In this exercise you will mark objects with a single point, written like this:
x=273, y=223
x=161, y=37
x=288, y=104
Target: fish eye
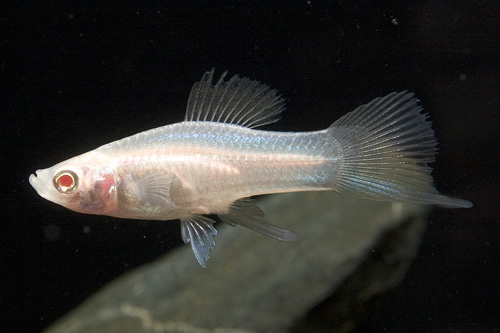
x=65, y=181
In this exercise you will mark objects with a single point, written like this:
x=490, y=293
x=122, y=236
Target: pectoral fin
x=145, y=194
x=245, y=213
x=200, y=232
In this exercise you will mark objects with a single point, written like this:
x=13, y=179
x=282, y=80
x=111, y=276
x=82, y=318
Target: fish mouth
x=35, y=181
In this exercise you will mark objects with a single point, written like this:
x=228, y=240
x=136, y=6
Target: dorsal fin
x=239, y=101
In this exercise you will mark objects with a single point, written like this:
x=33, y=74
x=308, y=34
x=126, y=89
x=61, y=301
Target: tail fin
x=384, y=150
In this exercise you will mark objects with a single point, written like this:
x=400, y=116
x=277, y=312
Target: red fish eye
x=65, y=181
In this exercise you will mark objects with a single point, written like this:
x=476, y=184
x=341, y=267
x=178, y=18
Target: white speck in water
x=394, y=20
x=86, y=229
x=463, y=77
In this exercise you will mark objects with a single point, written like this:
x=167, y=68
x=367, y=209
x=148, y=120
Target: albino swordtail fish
x=214, y=161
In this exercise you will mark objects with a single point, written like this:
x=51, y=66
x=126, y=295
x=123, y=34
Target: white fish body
x=213, y=161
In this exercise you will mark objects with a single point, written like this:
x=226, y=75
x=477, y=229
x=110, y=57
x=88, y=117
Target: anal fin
x=246, y=214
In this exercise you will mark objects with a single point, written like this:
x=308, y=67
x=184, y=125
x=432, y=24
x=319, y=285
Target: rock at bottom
x=350, y=252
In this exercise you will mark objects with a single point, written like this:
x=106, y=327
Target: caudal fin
x=384, y=149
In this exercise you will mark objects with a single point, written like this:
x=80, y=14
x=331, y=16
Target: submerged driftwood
x=349, y=251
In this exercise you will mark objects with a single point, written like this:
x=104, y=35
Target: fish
x=215, y=161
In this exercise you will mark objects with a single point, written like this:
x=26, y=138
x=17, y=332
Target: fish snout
x=33, y=180
x=36, y=180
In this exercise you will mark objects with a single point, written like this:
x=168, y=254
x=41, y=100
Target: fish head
x=79, y=187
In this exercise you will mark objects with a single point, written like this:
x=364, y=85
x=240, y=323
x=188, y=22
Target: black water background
x=77, y=77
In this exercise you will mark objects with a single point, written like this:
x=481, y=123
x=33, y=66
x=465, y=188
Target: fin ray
x=199, y=231
x=245, y=213
x=385, y=147
x=238, y=101
x=151, y=190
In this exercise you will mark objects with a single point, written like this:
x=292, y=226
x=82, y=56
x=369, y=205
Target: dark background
x=75, y=78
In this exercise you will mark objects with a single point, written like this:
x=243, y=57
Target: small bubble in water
x=86, y=229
